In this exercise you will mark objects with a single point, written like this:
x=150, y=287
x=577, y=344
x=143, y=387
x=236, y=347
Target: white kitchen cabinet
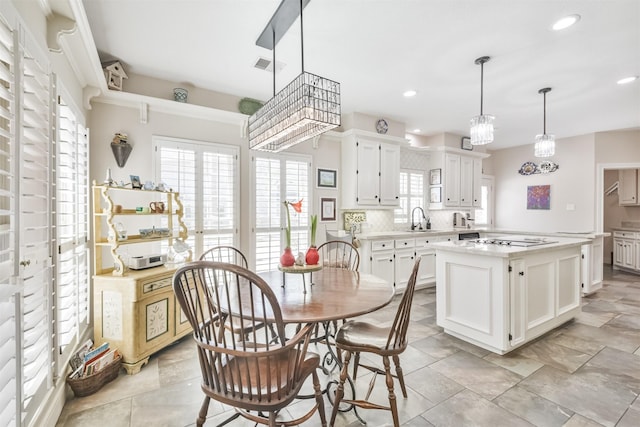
x=628, y=187
x=628, y=254
x=381, y=257
x=452, y=180
x=370, y=170
x=592, y=257
x=477, y=183
x=624, y=250
x=427, y=269
x=389, y=179
x=461, y=178
x=466, y=181
x=404, y=259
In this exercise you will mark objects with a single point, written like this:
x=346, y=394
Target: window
x=484, y=215
x=72, y=233
x=278, y=178
x=206, y=176
x=411, y=195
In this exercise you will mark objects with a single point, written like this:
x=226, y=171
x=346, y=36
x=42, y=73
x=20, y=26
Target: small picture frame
x=135, y=181
x=466, y=143
x=435, y=195
x=327, y=209
x=327, y=178
x=435, y=177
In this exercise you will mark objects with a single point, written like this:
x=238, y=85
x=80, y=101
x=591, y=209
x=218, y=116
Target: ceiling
x=378, y=49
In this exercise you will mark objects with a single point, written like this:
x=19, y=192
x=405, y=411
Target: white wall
x=572, y=184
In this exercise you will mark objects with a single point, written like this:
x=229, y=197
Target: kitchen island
x=500, y=293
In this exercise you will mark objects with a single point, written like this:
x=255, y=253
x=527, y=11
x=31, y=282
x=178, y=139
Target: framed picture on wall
x=328, y=209
x=435, y=177
x=327, y=178
x=435, y=195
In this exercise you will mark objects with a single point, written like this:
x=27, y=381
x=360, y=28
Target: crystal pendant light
x=305, y=108
x=482, y=125
x=545, y=144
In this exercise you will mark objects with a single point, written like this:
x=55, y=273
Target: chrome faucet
x=419, y=224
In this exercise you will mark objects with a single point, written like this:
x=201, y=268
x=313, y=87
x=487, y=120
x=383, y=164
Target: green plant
x=314, y=226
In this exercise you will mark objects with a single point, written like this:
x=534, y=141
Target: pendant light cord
x=481, y=85
x=274, y=60
x=544, y=114
x=301, y=37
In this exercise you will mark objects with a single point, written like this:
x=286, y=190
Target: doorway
x=609, y=213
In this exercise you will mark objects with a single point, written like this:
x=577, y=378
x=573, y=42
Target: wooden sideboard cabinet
x=137, y=313
x=135, y=310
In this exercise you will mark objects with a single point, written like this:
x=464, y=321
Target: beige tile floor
x=585, y=373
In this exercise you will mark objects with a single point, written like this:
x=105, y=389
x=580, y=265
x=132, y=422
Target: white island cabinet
x=499, y=297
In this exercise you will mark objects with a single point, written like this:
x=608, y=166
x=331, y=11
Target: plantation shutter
x=207, y=177
x=72, y=278
x=9, y=298
x=35, y=231
x=278, y=178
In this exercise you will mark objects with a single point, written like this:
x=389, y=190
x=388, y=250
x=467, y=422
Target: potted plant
x=287, y=259
x=312, y=257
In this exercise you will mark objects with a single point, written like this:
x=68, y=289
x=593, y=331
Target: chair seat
x=278, y=366
x=359, y=336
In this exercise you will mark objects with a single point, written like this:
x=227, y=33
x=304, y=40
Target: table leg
x=331, y=358
x=283, y=279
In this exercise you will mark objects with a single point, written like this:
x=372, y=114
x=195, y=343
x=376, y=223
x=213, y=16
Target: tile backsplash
x=382, y=220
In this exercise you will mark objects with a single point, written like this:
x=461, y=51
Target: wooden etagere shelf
x=106, y=218
x=134, y=310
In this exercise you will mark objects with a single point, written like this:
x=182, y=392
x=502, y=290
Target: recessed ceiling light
x=410, y=93
x=565, y=22
x=416, y=131
x=627, y=80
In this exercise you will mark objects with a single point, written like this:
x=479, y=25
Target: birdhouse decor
x=114, y=73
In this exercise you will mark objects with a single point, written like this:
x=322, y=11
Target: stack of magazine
x=89, y=360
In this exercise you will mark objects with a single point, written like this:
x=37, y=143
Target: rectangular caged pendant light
x=306, y=107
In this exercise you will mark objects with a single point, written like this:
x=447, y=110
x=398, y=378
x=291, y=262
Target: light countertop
x=404, y=234
x=501, y=251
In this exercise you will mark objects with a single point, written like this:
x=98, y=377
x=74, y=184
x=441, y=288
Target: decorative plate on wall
x=547, y=166
x=527, y=168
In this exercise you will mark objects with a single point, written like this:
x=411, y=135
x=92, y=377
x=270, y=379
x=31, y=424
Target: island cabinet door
x=518, y=302
x=544, y=292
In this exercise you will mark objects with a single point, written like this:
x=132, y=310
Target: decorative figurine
x=300, y=259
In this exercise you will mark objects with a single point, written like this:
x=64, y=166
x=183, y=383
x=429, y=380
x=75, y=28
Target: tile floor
x=585, y=373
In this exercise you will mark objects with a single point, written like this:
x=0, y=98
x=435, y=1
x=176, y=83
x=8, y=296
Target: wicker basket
x=90, y=384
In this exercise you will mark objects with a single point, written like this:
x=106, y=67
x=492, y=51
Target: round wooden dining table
x=334, y=294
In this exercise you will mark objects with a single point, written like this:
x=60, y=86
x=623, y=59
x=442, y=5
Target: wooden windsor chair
x=256, y=376
x=355, y=337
